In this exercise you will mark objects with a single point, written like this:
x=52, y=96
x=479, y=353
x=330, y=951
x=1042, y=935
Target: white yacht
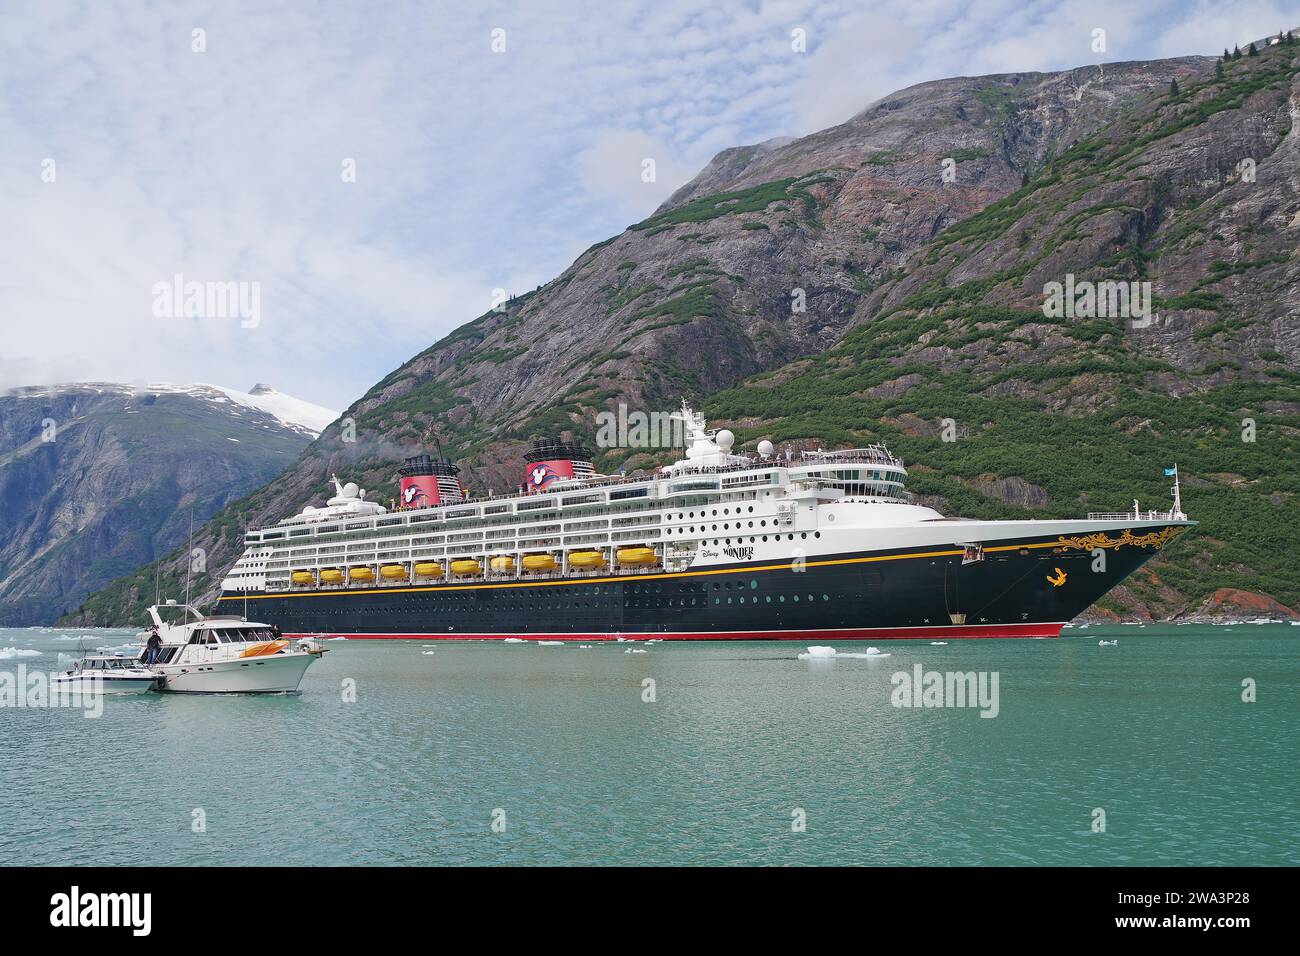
x=107, y=674
x=223, y=655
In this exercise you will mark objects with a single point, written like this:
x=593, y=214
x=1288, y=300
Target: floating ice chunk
x=427, y=653
x=635, y=650
x=1108, y=643
x=514, y=640
x=939, y=643
x=550, y=643
x=13, y=653
x=821, y=652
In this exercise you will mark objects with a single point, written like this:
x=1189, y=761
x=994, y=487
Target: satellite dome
x=765, y=448
x=351, y=490
x=725, y=439
x=309, y=510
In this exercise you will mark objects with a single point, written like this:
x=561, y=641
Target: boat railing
x=875, y=454
x=1129, y=516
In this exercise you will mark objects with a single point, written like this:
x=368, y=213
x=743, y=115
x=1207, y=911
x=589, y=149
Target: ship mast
x=189, y=565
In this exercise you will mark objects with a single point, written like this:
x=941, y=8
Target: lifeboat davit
x=539, y=562
x=304, y=577
x=502, y=562
x=586, y=559
x=637, y=557
x=428, y=570
x=466, y=567
x=393, y=572
x=331, y=576
x=361, y=574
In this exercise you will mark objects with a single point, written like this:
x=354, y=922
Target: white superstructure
x=709, y=501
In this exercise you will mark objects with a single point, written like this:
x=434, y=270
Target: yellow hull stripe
x=635, y=577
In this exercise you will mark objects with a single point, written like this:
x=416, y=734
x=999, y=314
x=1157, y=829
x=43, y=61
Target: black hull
x=1026, y=588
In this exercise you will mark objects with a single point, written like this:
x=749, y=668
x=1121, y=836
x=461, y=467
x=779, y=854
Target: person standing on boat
x=153, y=646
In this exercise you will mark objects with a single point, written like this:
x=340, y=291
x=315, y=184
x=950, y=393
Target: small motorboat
x=107, y=674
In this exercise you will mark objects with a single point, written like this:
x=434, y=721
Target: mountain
x=924, y=318
x=99, y=479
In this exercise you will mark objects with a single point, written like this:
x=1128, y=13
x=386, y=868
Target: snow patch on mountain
x=293, y=412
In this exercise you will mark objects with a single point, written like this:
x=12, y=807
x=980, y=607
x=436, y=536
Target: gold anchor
x=1056, y=580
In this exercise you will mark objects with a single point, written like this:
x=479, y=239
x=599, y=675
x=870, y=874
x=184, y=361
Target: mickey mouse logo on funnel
x=542, y=474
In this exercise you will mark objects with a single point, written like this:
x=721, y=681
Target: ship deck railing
x=1129, y=516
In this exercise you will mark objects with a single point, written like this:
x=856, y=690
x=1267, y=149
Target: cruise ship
x=817, y=545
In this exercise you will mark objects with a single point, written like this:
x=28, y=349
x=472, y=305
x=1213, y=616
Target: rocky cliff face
x=98, y=480
x=882, y=277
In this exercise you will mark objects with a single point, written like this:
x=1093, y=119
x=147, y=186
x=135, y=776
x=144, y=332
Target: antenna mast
x=189, y=565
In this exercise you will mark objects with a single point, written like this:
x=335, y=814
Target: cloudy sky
x=379, y=169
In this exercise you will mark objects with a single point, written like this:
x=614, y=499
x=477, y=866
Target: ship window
x=753, y=584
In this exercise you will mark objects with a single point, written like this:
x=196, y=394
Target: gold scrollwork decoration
x=1100, y=539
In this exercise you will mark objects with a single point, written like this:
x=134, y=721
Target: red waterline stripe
x=838, y=633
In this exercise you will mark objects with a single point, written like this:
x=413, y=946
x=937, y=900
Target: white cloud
x=475, y=170
x=633, y=169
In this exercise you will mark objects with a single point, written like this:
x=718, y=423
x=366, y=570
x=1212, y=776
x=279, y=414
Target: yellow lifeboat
x=428, y=570
x=637, y=556
x=331, y=576
x=539, y=562
x=586, y=559
x=304, y=577
x=393, y=572
x=466, y=567
x=503, y=562
x=361, y=574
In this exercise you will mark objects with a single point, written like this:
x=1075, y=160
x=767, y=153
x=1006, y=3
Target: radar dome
x=765, y=448
x=351, y=490
x=725, y=439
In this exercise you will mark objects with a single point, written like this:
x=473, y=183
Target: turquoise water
x=1152, y=731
